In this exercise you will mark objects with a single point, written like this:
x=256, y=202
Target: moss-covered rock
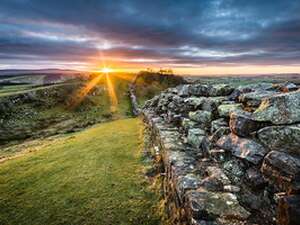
x=281, y=138
x=280, y=109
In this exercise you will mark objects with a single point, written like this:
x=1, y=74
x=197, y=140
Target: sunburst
x=104, y=73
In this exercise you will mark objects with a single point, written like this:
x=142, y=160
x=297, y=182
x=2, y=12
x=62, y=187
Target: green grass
x=21, y=89
x=91, y=177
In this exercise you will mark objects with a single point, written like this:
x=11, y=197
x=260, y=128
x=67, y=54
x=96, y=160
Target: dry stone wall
x=229, y=155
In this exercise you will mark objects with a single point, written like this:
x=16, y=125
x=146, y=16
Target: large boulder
x=253, y=99
x=281, y=138
x=202, y=204
x=280, y=109
x=242, y=148
x=283, y=170
x=242, y=124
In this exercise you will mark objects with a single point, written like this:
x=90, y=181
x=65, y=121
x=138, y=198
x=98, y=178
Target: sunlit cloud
x=133, y=35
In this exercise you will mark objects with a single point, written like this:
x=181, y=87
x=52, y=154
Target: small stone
x=232, y=188
x=218, y=155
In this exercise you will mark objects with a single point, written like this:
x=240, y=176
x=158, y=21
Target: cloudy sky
x=190, y=36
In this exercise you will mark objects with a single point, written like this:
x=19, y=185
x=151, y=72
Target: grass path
x=92, y=177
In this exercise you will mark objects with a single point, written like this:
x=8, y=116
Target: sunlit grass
x=93, y=177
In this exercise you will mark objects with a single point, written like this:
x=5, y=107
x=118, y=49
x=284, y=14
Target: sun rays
x=105, y=74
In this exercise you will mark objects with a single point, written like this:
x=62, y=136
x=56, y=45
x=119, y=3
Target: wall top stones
x=231, y=154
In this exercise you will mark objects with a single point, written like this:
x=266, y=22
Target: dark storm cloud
x=169, y=32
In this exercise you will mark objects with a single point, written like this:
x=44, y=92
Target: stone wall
x=229, y=155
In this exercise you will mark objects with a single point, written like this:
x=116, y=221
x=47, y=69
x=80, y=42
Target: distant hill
x=38, y=72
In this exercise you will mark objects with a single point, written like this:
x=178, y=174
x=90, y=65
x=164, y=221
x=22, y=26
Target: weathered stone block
x=200, y=116
x=254, y=99
x=198, y=90
x=188, y=124
x=210, y=90
x=194, y=102
x=289, y=210
x=242, y=124
x=281, y=138
x=282, y=170
x=234, y=168
x=219, y=90
x=219, y=133
x=242, y=148
x=209, y=205
x=195, y=137
x=218, y=174
x=224, y=110
x=255, y=178
x=216, y=124
x=187, y=182
x=280, y=109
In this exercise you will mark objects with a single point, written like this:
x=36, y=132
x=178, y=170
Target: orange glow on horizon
x=211, y=70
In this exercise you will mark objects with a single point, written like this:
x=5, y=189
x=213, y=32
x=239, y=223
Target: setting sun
x=106, y=70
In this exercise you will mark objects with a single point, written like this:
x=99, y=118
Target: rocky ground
x=229, y=155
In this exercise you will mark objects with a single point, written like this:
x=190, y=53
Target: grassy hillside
x=46, y=110
x=91, y=177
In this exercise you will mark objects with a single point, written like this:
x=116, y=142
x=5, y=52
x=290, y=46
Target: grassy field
x=90, y=177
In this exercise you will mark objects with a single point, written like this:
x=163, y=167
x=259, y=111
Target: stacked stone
x=231, y=155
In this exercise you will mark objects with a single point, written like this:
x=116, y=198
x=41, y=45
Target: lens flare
x=79, y=97
x=105, y=73
x=111, y=93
